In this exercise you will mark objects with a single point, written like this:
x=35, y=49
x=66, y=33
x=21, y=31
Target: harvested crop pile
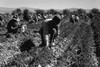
x=26, y=45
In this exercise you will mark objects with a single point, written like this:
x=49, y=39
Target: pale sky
x=47, y=4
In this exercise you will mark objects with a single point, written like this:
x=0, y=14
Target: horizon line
x=50, y=8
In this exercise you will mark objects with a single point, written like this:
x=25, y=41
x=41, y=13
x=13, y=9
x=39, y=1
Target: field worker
x=12, y=26
x=48, y=31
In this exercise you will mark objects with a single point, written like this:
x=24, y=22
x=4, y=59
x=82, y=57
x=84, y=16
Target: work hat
x=59, y=16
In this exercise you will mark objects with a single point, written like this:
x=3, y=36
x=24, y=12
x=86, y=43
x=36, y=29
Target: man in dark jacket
x=49, y=30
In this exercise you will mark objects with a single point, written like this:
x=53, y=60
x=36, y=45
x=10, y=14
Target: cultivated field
x=77, y=44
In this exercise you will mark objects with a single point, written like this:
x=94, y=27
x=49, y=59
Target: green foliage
x=79, y=50
x=17, y=11
x=52, y=11
x=88, y=47
x=95, y=24
x=26, y=16
x=67, y=28
x=83, y=41
x=39, y=11
x=41, y=56
x=65, y=12
x=94, y=14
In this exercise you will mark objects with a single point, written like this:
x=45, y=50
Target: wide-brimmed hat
x=59, y=16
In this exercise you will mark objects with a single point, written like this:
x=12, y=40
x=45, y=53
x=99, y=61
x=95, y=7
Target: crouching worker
x=74, y=18
x=12, y=26
x=49, y=31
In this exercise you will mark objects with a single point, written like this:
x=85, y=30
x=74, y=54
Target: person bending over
x=49, y=31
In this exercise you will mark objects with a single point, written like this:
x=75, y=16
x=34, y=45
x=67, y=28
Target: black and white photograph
x=49, y=33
